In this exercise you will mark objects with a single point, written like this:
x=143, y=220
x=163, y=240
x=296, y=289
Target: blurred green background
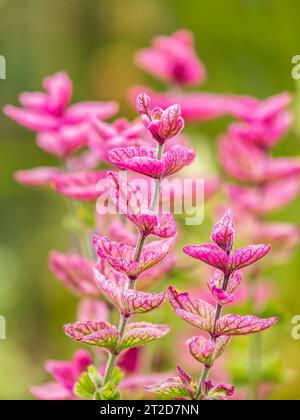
x=246, y=45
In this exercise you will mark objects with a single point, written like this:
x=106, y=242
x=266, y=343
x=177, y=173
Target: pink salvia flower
x=80, y=186
x=129, y=302
x=223, y=232
x=37, y=177
x=61, y=129
x=144, y=161
x=173, y=59
x=75, y=272
x=65, y=374
x=162, y=124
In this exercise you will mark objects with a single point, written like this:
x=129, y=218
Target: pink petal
x=37, y=177
x=209, y=254
x=247, y=256
x=223, y=232
x=272, y=196
x=59, y=88
x=171, y=123
x=202, y=349
x=243, y=325
x=51, y=391
x=94, y=333
x=34, y=101
x=31, y=120
x=84, y=111
x=138, y=159
x=75, y=272
x=187, y=303
x=129, y=302
x=204, y=324
x=79, y=185
x=176, y=159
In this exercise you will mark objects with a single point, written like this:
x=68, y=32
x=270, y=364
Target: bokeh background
x=246, y=45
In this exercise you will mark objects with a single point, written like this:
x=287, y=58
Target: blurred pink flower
x=61, y=129
x=173, y=59
x=103, y=136
x=265, y=199
x=265, y=122
x=162, y=124
x=75, y=272
x=37, y=177
x=247, y=162
x=79, y=185
x=66, y=375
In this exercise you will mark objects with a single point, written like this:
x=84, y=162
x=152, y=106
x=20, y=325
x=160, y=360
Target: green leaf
x=88, y=383
x=171, y=388
x=140, y=333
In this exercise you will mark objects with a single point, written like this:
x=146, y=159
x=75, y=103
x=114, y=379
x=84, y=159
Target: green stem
x=205, y=372
x=131, y=285
x=203, y=378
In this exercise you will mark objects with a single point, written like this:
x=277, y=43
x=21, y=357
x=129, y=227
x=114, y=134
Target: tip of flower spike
x=142, y=103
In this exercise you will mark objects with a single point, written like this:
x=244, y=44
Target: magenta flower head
x=62, y=128
x=162, y=124
x=65, y=375
x=173, y=59
x=219, y=255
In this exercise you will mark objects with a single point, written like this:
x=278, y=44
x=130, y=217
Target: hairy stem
x=132, y=281
x=206, y=370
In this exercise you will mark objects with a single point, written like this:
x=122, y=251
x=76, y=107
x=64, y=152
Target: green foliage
x=90, y=385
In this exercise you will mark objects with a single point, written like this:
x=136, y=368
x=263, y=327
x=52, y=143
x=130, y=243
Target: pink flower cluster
x=136, y=253
x=209, y=319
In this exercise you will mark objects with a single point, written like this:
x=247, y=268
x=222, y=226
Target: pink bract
x=162, y=124
x=37, y=177
x=144, y=161
x=134, y=204
x=75, y=272
x=130, y=301
x=79, y=185
x=122, y=257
